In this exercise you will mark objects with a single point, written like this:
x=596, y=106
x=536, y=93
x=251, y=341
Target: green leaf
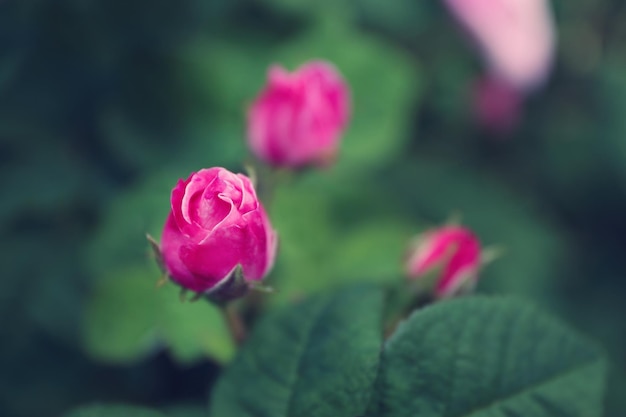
x=121, y=236
x=317, y=358
x=113, y=411
x=487, y=357
x=129, y=317
x=325, y=241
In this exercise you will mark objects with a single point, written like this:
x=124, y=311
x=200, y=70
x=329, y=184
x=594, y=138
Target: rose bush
x=299, y=117
x=215, y=225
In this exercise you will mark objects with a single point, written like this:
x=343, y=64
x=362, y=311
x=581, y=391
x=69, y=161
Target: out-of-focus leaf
x=25, y=189
x=113, y=411
x=119, y=322
x=121, y=236
x=404, y=18
x=331, y=235
x=375, y=250
x=128, y=318
x=186, y=411
x=9, y=68
x=194, y=329
x=612, y=102
x=317, y=10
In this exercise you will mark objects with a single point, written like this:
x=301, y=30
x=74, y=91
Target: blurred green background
x=105, y=104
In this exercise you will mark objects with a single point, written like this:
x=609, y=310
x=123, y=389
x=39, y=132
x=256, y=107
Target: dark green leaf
x=317, y=358
x=484, y=357
x=186, y=410
x=113, y=411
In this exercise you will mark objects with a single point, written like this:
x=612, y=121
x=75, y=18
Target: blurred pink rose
x=453, y=248
x=299, y=117
x=497, y=105
x=516, y=36
x=216, y=223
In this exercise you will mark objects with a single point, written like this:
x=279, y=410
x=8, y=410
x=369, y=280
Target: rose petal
x=171, y=241
x=517, y=37
x=261, y=242
x=249, y=199
x=462, y=265
x=216, y=256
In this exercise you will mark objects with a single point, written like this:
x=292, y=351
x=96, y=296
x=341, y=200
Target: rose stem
x=234, y=323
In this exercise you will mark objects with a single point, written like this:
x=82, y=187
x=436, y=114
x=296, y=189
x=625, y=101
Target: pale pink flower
x=517, y=37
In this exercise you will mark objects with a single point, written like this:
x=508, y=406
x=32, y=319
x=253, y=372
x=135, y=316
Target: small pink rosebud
x=453, y=248
x=217, y=229
x=517, y=37
x=299, y=117
x=497, y=105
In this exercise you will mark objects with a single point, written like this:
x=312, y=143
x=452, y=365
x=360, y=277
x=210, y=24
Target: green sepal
x=156, y=250
x=232, y=287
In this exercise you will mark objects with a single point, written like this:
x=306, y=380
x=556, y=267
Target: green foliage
x=477, y=356
x=129, y=318
x=326, y=240
x=404, y=18
x=121, y=238
x=317, y=358
x=186, y=411
x=487, y=357
x=113, y=411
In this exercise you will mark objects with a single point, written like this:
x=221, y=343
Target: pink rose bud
x=299, y=117
x=497, y=105
x=454, y=249
x=217, y=230
x=516, y=37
